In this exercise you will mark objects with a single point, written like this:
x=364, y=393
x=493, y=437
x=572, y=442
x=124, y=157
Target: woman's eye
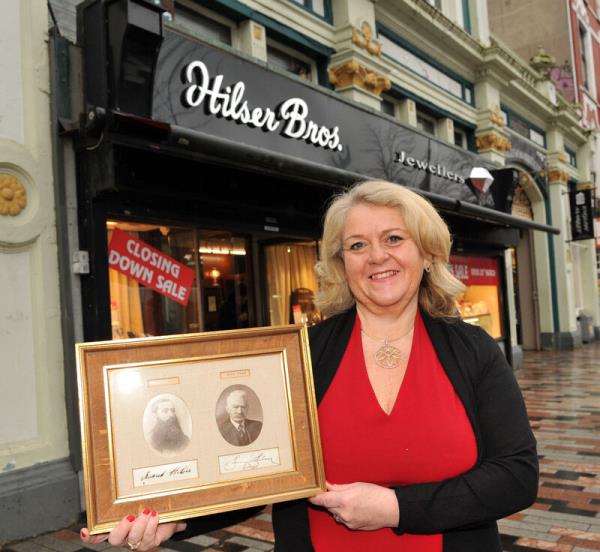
x=356, y=246
x=394, y=239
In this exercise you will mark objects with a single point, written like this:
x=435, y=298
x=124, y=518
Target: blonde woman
x=425, y=436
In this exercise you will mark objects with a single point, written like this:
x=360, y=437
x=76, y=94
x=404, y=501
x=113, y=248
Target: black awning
x=227, y=152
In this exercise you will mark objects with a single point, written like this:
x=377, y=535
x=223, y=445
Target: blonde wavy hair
x=426, y=228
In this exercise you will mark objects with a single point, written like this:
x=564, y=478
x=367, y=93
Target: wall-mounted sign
x=150, y=267
x=290, y=118
x=474, y=271
x=582, y=221
x=214, y=92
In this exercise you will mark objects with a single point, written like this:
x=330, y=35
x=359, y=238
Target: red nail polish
x=153, y=513
x=130, y=518
x=146, y=511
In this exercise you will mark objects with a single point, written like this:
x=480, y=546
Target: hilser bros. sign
x=150, y=267
x=290, y=118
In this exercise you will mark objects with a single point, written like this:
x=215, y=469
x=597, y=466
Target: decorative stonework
x=496, y=117
x=355, y=74
x=13, y=197
x=581, y=186
x=492, y=141
x=558, y=175
x=562, y=157
x=363, y=38
x=521, y=205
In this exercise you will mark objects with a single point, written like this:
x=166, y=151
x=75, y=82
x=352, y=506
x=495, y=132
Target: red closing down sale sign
x=150, y=267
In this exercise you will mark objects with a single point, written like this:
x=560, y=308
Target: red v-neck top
x=426, y=437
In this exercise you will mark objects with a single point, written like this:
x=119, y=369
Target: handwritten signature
x=249, y=461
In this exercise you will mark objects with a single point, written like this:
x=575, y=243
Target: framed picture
x=197, y=424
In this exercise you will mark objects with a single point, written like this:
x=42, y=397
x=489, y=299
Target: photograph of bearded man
x=162, y=426
x=237, y=428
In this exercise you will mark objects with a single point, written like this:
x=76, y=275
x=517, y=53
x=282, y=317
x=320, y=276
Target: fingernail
x=83, y=533
x=130, y=518
x=146, y=511
x=153, y=513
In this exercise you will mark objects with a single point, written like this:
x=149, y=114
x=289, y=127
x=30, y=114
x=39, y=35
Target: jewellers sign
x=431, y=168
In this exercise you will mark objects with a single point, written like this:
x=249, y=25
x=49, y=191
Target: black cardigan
x=464, y=508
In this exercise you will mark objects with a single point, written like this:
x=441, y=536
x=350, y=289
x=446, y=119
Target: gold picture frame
x=159, y=417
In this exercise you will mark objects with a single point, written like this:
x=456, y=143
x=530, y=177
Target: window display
x=480, y=303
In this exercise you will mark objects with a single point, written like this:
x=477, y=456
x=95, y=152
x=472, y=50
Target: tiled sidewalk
x=562, y=392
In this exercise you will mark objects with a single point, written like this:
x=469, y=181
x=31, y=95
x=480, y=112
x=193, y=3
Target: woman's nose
x=377, y=253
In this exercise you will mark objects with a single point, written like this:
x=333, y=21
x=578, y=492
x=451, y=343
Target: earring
x=428, y=268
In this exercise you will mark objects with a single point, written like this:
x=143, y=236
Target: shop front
x=203, y=182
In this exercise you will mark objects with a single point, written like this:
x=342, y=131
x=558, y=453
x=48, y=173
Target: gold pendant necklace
x=388, y=356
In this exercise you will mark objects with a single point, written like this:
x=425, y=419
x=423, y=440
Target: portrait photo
x=239, y=415
x=167, y=424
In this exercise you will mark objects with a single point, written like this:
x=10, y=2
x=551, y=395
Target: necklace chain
x=388, y=356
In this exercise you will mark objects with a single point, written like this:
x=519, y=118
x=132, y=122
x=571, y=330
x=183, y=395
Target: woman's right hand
x=141, y=533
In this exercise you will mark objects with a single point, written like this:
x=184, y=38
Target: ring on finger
x=134, y=545
x=338, y=518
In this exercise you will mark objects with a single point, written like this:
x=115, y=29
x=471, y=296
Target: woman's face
x=383, y=265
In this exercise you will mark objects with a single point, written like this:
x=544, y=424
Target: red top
x=426, y=437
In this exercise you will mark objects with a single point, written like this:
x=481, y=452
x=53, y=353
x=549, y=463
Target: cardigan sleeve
x=505, y=479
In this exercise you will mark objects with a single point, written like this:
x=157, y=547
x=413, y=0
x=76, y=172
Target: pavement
x=562, y=393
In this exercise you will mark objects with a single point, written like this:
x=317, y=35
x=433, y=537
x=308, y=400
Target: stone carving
x=13, y=197
x=355, y=74
x=363, y=38
x=557, y=175
x=496, y=117
x=492, y=141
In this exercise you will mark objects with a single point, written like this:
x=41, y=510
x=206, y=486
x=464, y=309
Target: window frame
x=425, y=58
x=291, y=52
x=207, y=14
x=307, y=5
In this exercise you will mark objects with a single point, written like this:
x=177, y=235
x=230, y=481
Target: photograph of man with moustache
x=164, y=432
x=236, y=428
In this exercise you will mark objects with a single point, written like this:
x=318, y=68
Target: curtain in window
x=289, y=267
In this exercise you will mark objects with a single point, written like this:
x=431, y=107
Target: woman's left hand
x=363, y=506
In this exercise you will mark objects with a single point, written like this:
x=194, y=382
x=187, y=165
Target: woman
x=425, y=436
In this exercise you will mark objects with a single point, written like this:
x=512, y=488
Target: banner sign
x=150, y=267
x=582, y=221
x=475, y=271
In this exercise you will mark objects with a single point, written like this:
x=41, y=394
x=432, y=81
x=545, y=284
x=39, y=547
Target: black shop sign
x=582, y=221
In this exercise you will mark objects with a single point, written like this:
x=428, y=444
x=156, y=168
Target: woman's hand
x=361, y=506
x=141, y=533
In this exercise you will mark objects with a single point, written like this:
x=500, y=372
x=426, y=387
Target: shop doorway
x=525, y=279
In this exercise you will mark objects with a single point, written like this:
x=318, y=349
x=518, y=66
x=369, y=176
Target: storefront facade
x=229, y=173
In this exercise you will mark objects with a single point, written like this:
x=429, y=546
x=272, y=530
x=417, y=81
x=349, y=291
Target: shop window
x=286, y=59
x=388, y=107
x=538, y=137
x=460, y=138
x=426, y=123
x=202, y=24
x=480, y=303
x=291, y=282
x=142, y=303
x=583, y=46
x=571, y=156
